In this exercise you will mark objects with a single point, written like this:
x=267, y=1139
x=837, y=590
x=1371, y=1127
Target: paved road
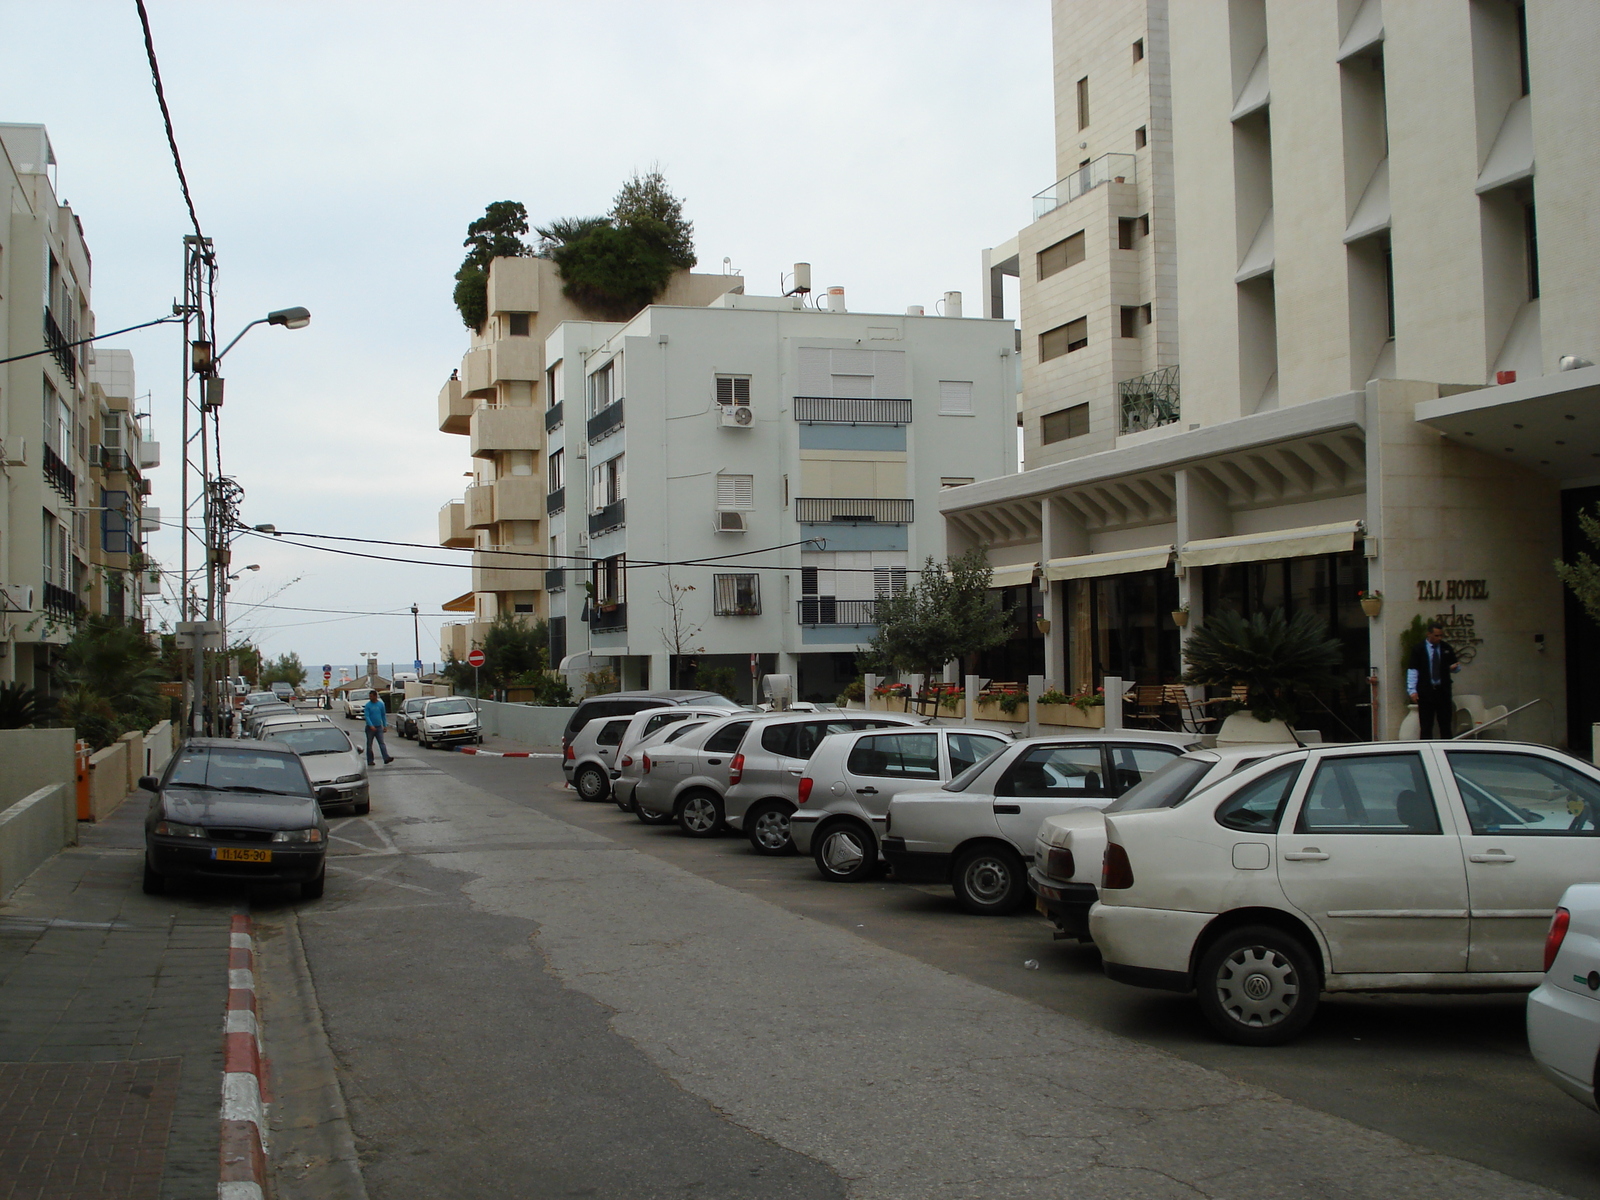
x=526, y=995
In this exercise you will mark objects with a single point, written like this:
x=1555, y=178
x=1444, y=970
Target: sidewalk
x=111, y=1016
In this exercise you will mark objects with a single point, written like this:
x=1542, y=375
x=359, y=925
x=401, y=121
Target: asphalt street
x=525, y=995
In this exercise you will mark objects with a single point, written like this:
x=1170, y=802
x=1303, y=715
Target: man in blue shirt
x=377, y=718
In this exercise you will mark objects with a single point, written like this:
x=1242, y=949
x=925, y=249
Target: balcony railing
x=835, y=410
x=61, y=602
x=829, y=510
x=605, y=620
x=555, y=502
x=64, y=354
x=60, y=476
x=1149, y=400
x=558, y=640
x=612, y=516
x=604, y=421
x=1107, y=168
x=825, y=610
x=552, y=417
x=555, y=579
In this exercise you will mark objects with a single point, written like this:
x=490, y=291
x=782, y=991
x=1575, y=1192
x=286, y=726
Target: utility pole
x=416, y=639
x=198, y=313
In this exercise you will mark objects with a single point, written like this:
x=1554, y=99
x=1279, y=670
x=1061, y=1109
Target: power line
x=85, y=341
x=166, y=117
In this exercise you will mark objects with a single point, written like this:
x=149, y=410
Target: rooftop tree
x=496, y=234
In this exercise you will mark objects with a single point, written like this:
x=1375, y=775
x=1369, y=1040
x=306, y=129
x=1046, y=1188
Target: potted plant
x=952, y=702
x=1371, y=602
x=1281, y=660
x=1180, y=615
x=1052, y=707
x=999, y=705
x=1042, y=624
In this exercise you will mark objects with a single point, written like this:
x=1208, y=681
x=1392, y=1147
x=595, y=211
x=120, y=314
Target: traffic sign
x=416, y=665
x=475, y=658
x=327, y=669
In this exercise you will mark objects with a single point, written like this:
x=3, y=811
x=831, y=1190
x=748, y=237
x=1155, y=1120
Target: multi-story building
x=795, y=455
x=1384, y=249
x=497, y=400
x=120, y=517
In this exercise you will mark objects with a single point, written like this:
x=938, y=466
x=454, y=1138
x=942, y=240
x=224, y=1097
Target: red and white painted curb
x=243, y=1174
x=503, y=753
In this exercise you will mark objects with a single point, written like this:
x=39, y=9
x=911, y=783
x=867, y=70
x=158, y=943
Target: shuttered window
x=1064, y=339
x=851, y=373
x=955, y=398
x=736, y=493
x=1066, y=253
x=808, y=581
x=1064, y=423
x=733, y=389
x=888, y=581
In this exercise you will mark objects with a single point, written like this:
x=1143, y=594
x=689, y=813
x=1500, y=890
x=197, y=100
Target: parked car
x=274, y=719
x=331, y=760
x=447, y=720
x=237, y=812
x=261, y=712
x=599, y=776
x=405, y=717
x=1564, y=1010
x=594, y=749
x=283, y=690
x=844, y=793
x=1411, y=866
x=977, y=833
x=253, y=699
x=617, y=704
x=1065, y=874
x=354, y=701
x=635, y=762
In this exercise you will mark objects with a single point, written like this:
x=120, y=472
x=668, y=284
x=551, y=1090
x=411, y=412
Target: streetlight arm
x=289, y=318
x=241, y=333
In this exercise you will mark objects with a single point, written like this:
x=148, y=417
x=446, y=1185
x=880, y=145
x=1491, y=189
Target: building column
x=660, y=671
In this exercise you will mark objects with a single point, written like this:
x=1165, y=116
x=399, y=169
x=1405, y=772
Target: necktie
x=1433, y=656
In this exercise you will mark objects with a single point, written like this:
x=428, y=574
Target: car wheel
x=767, y=826
x=154, y=884
x=423, y=743
x=311, y=889
x=650, y=818
x=591, y=783
x=990, y=881
x=1257, y=986
x=845, y=853
x=700, y=815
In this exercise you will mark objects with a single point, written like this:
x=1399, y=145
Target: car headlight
x=348, y=779
x=298, y=835
x=174, y=829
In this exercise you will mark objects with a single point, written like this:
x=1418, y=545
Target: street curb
x=242, y=1161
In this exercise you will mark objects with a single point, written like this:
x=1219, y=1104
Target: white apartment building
x=1384, y=247
x=796, y=455
x=496, y=399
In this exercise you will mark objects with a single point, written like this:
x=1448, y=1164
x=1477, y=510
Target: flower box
x=1070, y=714
x=958, y=713
x=890, y=702
x=989, y=710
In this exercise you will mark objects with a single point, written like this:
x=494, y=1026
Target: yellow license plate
x=229, y=854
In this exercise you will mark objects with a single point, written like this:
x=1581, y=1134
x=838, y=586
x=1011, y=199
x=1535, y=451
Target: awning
x=466, y=602
x=1118, y=562
x=1278, y=543
x=1015, y=575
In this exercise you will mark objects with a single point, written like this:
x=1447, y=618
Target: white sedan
x=1564, y=1012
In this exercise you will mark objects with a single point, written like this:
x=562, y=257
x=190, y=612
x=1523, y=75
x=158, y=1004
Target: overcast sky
x=337, y=150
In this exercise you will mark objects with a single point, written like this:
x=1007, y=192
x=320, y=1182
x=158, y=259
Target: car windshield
x=1165, y=788
x=678, y=733
x=320, y=739
x=240, y=771
x=964, y=780
x=259, y=697
x=719, y=702
x=446, y=708
x=415, y=705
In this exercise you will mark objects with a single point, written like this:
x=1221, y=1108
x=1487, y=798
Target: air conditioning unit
x=146, y=487
x=16, y=597
x=731, y=522
x=737, y=416
x=15, y=453
x=97, y=456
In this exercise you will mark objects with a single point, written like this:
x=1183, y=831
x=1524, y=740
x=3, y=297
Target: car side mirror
x=150, y=783
x=327, y=794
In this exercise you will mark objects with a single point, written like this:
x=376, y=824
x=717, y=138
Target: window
x=800, y=739
x=736, y=595
x=1068, y=252
x=660, y=721
x=955, y=398
x=733, y=389
x=888, y=581
x=1144, y=225
x=554, y=389
x=969, y=749
x=736, y=493
x=610, y=579
x=558, y=470
x=1065, y=423
x=1370, y=793
x=1257, y=807
x=114, y=523
x=1525, y=794
x=1127, y=230
x=1133, y=764
x=517, y=324
x=609, y=483
x=726, y=740
x=1130, y=322
x=1083, y=103
x=1530, y=235
x=611, y=732
x=808, y=581
x=1146, y=314
x=896, y=756
x=111, y=433
x=950, y=481
x=1138, y=50
x=1141, y=138
x=1064, y=339
x=602, y=387
x=1057, y=772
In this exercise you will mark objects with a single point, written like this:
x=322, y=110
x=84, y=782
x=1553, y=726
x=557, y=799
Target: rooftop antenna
x=802, y=280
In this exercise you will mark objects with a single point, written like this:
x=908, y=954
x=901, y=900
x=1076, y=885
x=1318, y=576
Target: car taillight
x=736, y=769
x=627, y=760
x=805, y=789
x=1557, y=935
x=571, y=753
x=645, y=762
x=1059, y=863
x=1116, y=871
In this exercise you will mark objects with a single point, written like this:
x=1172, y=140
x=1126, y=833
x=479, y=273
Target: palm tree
x=108, y=674
x=1280, y=659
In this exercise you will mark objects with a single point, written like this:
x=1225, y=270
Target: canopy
x=1277, y=543
x=1015, y=575
x=1117, y=562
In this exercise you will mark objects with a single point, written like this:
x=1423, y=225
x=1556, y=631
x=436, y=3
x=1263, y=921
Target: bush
x=1282, y=660
x=721, y=680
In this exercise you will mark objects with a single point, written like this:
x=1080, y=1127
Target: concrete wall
x=34, y=758
x=525, y=723
x=159, y=743
x=32, y=830
x=108, y=779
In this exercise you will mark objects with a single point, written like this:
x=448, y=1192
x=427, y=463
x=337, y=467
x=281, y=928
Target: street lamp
x=289, y=318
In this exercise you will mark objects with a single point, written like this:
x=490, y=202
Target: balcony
x=518, y=571
x=455, y=408
x=519, y=498
x=555, y=502
x=65, y=356
x=480, y=506
x=825, y=610
x=552, y=418
x=555, y=579
x=829, y=510
x=60, y=476
x=475, y=372
x=605, y=421
x=498, y=427
x=516, y=359
x=608, y=619
x=1108, y=168
x=1150, y=400
x=453, y=528
x=833, y=410
x=612, y=516
x=60, y=602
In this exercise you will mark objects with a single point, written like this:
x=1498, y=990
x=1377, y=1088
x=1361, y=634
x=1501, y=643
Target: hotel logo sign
x=1452, y=589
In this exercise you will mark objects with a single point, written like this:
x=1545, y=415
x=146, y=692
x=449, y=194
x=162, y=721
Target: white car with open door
x=1393, y=866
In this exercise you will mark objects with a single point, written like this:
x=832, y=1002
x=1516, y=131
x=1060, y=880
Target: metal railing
x=604, y=421
x=59, y=475
x=1149, y=400
x=612, y=516
x=604, y=620
x=552, y=417
x=59, y=348
x=828, y=510
x=1108, y=168
x=555, y=501
x=555, y=579
x=826, y=610
x=836, y=410
x=60, y=601
x=558, y=640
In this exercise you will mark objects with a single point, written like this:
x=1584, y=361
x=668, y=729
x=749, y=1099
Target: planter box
x=990, y=710
x=519, y=695
x=888, y=704
x=958, y=713
x=1071, y=714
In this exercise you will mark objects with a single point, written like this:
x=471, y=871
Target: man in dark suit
x=1428, y=673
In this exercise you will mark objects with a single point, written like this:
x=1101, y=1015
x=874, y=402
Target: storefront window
x=1122, y=625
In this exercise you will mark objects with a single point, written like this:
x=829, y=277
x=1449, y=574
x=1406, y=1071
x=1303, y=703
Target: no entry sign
x=475, y=658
